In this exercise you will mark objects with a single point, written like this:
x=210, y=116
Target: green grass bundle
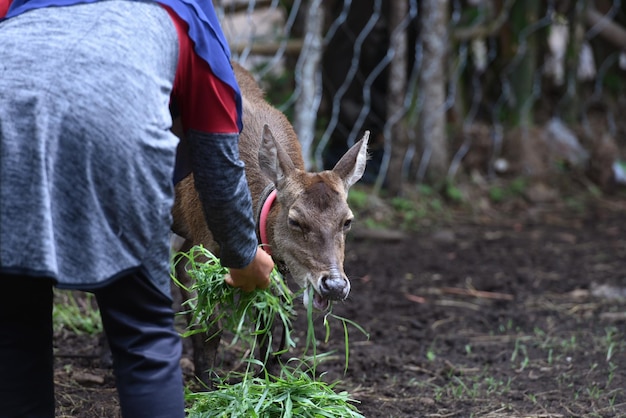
x=295, y=394
x=245, y=314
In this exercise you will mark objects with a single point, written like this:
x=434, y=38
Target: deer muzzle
x=334, y=285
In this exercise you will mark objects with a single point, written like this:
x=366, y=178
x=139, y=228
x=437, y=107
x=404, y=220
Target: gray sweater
x=86, y=154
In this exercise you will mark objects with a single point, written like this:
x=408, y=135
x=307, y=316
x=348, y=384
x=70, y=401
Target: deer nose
x=334, y=286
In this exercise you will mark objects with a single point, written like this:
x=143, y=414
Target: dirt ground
x=520, y=314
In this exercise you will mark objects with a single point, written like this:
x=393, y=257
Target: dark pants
x=139, y=323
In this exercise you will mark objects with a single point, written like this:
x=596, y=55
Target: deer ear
x=352, y=165
x=273, y=159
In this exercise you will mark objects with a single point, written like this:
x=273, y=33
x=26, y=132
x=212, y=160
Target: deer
x=302, y=217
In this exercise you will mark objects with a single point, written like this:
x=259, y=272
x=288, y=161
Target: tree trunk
x=521, y=56
x=571, y=102
x=396, y=139
x=435, y=152
x=308, y=72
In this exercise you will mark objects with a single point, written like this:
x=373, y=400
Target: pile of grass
x=294, y=391
x=294, y=395
x=247, y=315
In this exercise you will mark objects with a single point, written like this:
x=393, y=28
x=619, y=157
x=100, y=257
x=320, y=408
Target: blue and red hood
x=204, y=30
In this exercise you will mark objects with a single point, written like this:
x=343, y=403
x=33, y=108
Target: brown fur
x=269, y=147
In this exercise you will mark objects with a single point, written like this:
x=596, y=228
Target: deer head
x=308, y=226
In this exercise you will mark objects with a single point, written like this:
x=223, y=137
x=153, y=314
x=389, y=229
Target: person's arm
x=223, y=189
x=210, y=124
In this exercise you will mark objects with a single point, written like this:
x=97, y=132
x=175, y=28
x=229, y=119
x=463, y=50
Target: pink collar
x=265, y=210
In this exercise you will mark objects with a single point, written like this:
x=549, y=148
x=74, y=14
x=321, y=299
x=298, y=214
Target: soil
x=519, y=314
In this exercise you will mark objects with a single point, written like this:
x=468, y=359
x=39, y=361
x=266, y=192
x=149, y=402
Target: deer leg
x=271, y=362
x=204, y=344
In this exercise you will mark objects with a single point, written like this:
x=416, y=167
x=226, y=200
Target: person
x=88, y=164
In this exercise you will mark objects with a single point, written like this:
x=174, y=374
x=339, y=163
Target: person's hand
x=254, y=275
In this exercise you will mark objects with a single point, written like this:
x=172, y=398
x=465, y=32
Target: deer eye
x=297, y=226
x=347, y=224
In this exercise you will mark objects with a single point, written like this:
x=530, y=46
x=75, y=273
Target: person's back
x=87, y=162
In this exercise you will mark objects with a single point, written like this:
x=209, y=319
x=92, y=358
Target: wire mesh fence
x=446, y=87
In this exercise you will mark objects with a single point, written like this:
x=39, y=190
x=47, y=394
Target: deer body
x=306, y=225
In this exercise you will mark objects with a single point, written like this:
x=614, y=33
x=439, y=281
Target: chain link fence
x=447, y=87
